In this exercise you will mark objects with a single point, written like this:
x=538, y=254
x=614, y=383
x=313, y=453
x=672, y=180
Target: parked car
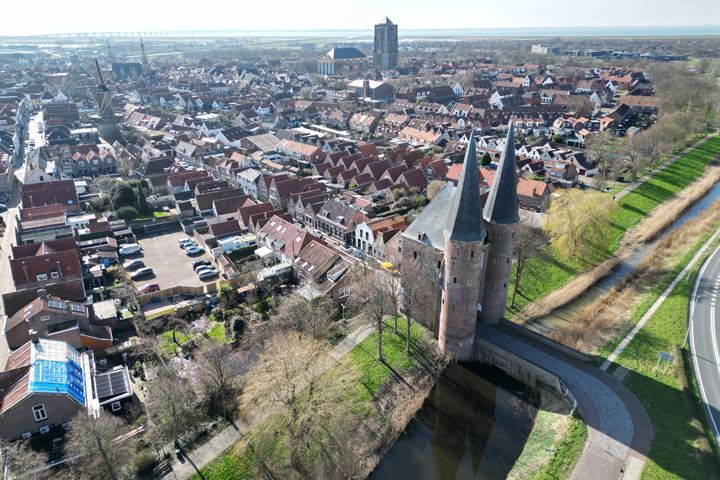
x=200, y=263
x=203, y=265
x=206, y=268
x=318, y=233
x=185, y=242
x=208, y=274
x=210, y=301
x=128, y=249
x=149, y=288
x=133, y=264
x=143, y=272
x=347, y=249
x=193, y=250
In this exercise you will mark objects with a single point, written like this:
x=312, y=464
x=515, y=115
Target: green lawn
x=550, y=270
x=229, y=466
x=566, y=453
x=217, y=332
x=665, y=184
x=149, y=215
x=167, y=346
x=364, y=355
x=679, y=449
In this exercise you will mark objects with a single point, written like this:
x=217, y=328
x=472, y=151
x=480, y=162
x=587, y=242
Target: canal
x=473, y=425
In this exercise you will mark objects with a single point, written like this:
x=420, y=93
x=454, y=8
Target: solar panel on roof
x=111, y=384
x=56, y=304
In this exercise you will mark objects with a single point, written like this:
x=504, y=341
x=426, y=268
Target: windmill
x=106, y=122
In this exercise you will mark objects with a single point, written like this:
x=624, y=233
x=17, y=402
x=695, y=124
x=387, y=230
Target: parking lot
x=169, y=263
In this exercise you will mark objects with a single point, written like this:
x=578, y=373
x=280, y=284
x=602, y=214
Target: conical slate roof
x=501, y=206
x=465, y=222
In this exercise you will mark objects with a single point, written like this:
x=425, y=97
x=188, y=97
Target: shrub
x=144, y=463
x=127, y=213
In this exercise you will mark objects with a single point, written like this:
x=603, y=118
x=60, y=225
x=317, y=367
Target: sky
x=53, y=16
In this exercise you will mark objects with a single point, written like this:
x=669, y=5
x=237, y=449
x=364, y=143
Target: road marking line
x=655, y=306
x=691, y=334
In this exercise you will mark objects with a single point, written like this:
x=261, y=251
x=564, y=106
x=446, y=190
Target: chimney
x=42, y=293
x=33, y=334
x=59, y=268
x=25, y=272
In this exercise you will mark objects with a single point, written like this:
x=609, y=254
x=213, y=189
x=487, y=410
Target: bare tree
x=219, y=376
x=98, y=455
x=526, y=246
x=309, y=316
x=23, y=462
x=316, y=411
x=378, y=293
x=602, y=150
x=172, y=405
x=581, y=105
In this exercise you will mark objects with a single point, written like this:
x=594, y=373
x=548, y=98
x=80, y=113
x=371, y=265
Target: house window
x=415, y=255
x=45, y=318
x=472, y=254
x=41, y=277
x=343, y=292
x=39, y=413
x=508, y=260
x=115, y=406
x=454, y=279
x=54, y=275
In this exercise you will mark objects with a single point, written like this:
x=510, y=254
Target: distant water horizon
x=452, y=33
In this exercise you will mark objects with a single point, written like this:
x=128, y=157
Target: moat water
x=473, y=426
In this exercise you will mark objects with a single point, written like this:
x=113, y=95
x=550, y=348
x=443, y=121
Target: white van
x=128, y=249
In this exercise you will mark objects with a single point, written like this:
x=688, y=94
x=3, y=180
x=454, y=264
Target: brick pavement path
x=619, y=430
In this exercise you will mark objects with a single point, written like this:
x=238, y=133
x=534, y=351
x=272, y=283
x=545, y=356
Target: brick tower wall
x=497, y=272
x=459, y=306
x=421, y=264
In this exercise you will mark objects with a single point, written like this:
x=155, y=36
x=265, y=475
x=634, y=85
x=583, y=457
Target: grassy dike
x=554, y=270
x=552, y=449
x=680, y=448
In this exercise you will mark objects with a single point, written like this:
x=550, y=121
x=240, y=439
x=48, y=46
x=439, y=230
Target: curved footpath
x=619, y=430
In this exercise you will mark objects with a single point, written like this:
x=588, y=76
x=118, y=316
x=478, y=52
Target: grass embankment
x=611, y=315
x=238, y=463
x=553, y=448
x=680, y=447
x=551, y=270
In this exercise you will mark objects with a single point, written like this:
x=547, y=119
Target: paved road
x=704, y=335
x=619, y=430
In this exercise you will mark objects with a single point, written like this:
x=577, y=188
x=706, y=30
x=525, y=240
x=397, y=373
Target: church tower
x=501, y=215
x=460, y=285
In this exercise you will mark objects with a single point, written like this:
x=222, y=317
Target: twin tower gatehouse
x=458, y=252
